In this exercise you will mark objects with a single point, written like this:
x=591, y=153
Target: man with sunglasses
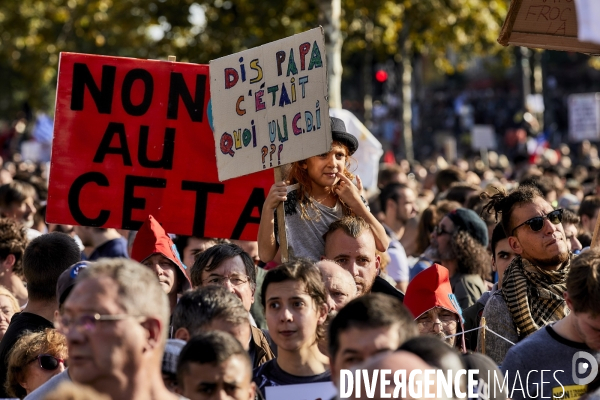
x=534, y=282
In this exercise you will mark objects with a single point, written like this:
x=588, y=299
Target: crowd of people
x=444, y=267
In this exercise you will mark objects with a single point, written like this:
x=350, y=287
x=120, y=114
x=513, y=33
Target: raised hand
x=277, y=194
x=347, y=191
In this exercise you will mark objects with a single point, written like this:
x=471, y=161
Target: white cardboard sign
x=584, y=117
x=269, y=105
x=307, y=391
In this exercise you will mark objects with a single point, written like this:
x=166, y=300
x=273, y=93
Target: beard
x=363, y=286
x=550, y=263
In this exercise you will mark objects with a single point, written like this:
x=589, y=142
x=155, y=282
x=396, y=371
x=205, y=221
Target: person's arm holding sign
x=267, y=243
x=349, y=193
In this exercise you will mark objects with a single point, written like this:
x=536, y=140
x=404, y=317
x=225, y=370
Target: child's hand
x=359, y=185
x=348, y=192
x=277, y=194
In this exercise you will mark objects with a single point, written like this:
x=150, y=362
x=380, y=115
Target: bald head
x=339, y=283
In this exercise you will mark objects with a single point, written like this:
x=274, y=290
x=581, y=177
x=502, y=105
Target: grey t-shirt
x=305, y=236
x=544, y=362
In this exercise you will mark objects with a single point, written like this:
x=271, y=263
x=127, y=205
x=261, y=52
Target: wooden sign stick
x=483, y=335
x=596, y=235
x=283, y=246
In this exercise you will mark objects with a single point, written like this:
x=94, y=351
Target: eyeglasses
x=235, y=280
x=537, y=223
x=444, y=320
x=439, y=231
x=48, y=362
x=86, y=322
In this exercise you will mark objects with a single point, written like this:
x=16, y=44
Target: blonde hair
x=4, y=292
x=25, y=350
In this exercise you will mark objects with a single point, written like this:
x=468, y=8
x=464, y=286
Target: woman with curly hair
x=459, y=243
x=35, y=358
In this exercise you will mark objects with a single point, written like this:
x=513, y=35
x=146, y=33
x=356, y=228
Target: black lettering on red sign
x=74, y=192
x=114, y=128
x=179, y=90
x=202, y=190
x=130, y=78
x=82, y=78
x=166, y=159
x=256, y=200
x=130, y=202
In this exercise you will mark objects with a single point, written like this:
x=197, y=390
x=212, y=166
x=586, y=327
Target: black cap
x=339, y=134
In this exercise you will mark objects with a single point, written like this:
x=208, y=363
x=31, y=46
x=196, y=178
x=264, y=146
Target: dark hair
x=430, y=217
x=497, y=235
x=589, y=206
x=387, y=173
x=471, y=256
x=181, y=242
x=373, y=310
x=300, y=270
x=15, y=192
x=434, y=352
x=390, y=192
x=45, y=258
x=197, y=308
x=585, y=239
x=447, y=177
x=213, y=347
x=461, y=192
x=543, y=183
x=211, y=258
x=504, y=204
x=583, y=283
x=569, y=217
x=13, y=240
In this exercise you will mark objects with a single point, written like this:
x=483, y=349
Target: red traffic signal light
x=381, y=76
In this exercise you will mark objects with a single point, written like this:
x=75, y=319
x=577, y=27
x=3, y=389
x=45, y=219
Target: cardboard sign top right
x=544, y=24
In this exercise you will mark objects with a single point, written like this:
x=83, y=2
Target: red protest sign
x=132, y=138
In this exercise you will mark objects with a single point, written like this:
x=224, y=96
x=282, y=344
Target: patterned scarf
x=534, y=296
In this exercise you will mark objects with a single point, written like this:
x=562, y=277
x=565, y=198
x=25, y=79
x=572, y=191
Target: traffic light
x=381, y=76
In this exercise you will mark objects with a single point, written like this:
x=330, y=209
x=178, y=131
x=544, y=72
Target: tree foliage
x=34, y=32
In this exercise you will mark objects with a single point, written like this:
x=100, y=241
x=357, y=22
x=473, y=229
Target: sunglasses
x=537, y=223
x=439, y=231
x=48, y=362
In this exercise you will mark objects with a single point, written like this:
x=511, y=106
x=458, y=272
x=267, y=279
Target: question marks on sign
x=265, y=151
x=273, y=148
x=279, y=154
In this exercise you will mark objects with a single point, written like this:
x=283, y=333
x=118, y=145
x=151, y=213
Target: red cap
x=153, y=239
x=430, y=288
